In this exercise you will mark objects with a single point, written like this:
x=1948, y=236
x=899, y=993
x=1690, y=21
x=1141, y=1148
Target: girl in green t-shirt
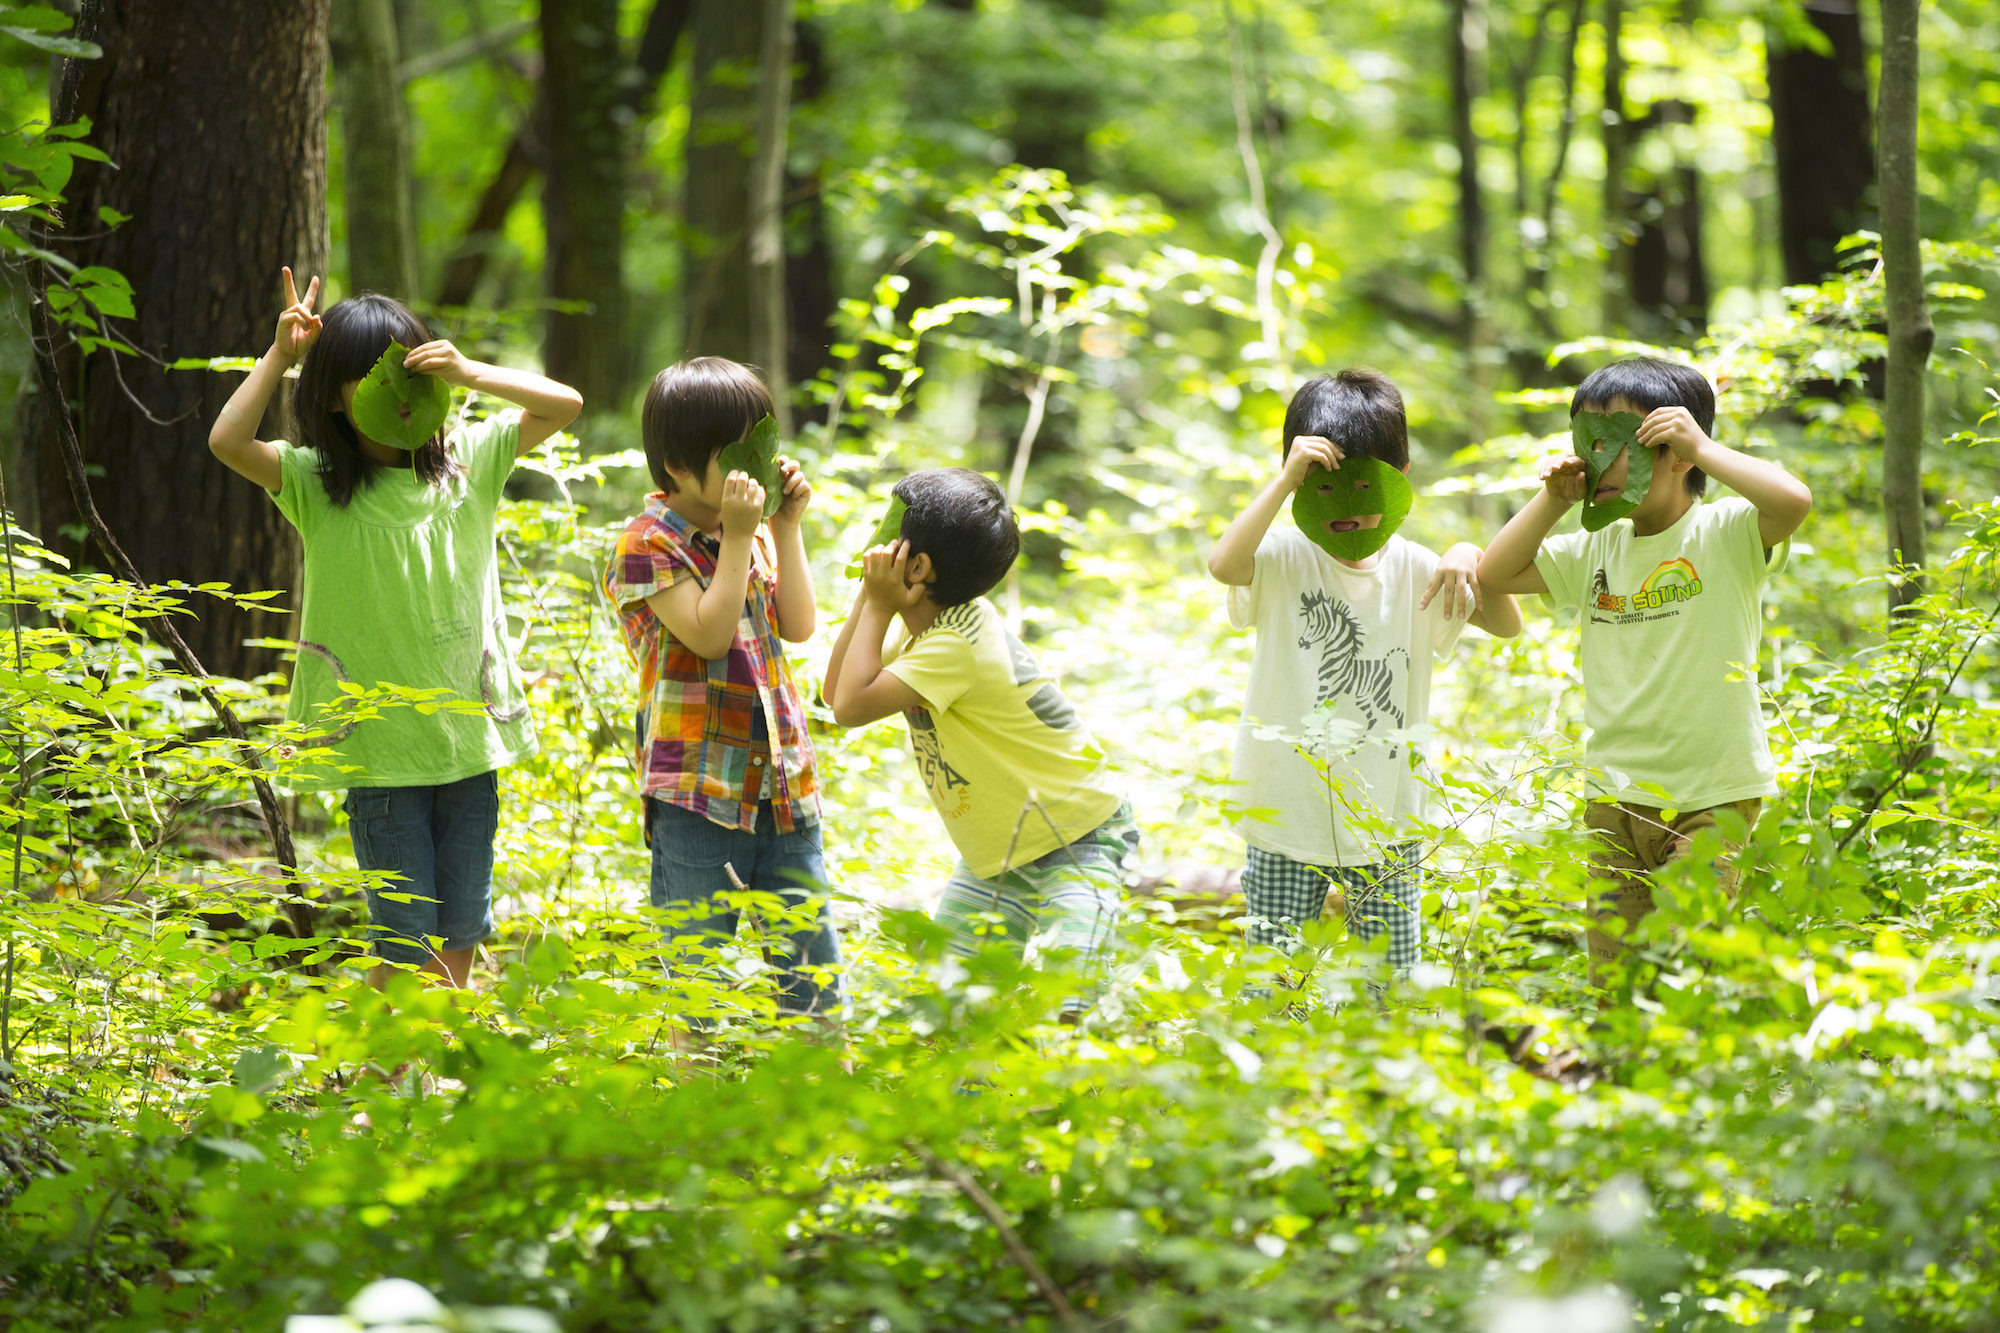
x=400, y=588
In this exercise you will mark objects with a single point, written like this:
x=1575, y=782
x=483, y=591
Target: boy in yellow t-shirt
x=1045, y=837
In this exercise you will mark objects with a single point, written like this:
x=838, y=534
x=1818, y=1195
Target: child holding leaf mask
x=1349, y=617
x=1670, y=590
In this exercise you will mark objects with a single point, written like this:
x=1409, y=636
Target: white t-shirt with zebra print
x=1341, y=671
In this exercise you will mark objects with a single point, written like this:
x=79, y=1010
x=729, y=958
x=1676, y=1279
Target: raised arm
x=858, y=689
x=233, y=437
x=706, y=619
x=1782, y=500
x=1509, y=563
x=798, y=608
x=546, y=406
x=1234, y=559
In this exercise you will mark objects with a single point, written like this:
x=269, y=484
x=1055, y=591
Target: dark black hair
x=352, y=337
x=696, y=409
x=1359, y=410
x=1647, y=383
x=959, y=518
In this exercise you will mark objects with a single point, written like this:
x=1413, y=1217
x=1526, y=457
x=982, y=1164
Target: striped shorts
x=1281, y=895
x=1067, y=899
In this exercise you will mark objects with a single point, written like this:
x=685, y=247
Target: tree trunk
x=769, y=328
x=1468, y=83
x=375, y=142
x=1820, y=135
x=583, y=199
x=215, y=114
x=1612, y=230
x=1910, y=332
x=721, y=139
x=810, y=296
x=1669, y=273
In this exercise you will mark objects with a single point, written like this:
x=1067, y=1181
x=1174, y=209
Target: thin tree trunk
x=1910, y=331
x=583, y=201
x=1468, y=83
x=769, y=328
x=809, y=279
x=1612, y=228
x=1541, y=260
x=375, y=139
x=1667, y=267
x=1820, y=135
x=721, y=139
x=215, y=114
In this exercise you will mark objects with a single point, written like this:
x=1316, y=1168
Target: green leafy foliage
x=1358, y=488
x=756, y=457
x=399, y=407
x=889, y=530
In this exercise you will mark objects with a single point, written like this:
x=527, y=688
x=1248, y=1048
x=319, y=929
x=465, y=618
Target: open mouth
x=1604, y=493
x=1344, y=525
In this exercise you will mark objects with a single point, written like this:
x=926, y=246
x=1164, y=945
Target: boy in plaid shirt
x=706, y=598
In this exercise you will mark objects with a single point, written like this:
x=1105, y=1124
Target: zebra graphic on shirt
x=1368, y=682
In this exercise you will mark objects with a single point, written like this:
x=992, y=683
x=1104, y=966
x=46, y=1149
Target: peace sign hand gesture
x=298, y=326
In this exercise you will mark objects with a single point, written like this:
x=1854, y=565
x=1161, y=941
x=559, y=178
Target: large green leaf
x=888, y=530
x=1358, y=488
x=398, y=407
x=1599, y=437
x=756, y=456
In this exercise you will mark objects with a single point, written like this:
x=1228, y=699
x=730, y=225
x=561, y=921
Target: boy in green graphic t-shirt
x=1044, y=836
x=1671, y=623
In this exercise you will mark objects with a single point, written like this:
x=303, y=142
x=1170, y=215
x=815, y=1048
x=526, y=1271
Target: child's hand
x=1675, y=427
x=443, y=360
x=798, y=494
x=885, y=577
x=1308, y=452
x=298, y=326
x=742, y=505
x=1457, y=576
x=1564, y=480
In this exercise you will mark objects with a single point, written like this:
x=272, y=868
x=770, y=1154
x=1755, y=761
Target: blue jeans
x=690, y=854
x=438, y=842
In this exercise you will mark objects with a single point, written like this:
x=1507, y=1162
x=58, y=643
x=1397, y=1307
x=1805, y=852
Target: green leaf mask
x=888, y=530
x=398, y=407
x=756, y=456
x=1358, y=488
x=1599, y=437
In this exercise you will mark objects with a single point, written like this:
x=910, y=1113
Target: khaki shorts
x=1632, y=842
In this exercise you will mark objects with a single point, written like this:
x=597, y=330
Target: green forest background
x=1088, y=246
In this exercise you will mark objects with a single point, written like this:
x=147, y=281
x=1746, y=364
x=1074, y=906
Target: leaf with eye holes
x=756, y=456
x=1598, y=438
x=399, y=407
x=1357, y=488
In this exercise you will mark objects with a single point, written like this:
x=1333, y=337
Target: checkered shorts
x=1282, y=894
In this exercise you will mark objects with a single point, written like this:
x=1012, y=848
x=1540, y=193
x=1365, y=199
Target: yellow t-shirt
x=1009, y=764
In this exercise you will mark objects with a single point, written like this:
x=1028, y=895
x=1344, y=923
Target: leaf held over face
x=887, y=531
x=1598, y=438
x=400, y=407
x=756, y=456
x=1358, y=488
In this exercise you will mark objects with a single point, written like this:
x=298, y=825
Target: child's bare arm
x=1782, y=500
x=1234, y=559
x=546, y=406
x=1509, y=563
x=797, y=609
x=1457, y=577
x=859, y=690
x=233, y=438
x=705, y=619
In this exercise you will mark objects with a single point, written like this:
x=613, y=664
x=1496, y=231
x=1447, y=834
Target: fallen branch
x=983, y=1201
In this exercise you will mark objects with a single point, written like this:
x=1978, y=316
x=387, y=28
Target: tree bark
x=1668, y=269
x=375, y=140
x=721, y=139
x=1910, y=331
x=1613, y=229
x=583, y=199
x=1468, y=83
x=769, y=331
x=215, y=114
x=809, y=278
x=1820, y=135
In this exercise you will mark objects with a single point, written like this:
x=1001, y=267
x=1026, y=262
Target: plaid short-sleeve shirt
x=700, y=743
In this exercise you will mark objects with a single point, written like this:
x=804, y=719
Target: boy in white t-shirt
x=1344, y=653
x=1671, y=624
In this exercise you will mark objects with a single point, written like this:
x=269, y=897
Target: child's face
x=1666, y=480
x=705, y=489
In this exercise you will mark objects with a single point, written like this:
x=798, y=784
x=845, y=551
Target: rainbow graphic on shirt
x=1671, y=582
